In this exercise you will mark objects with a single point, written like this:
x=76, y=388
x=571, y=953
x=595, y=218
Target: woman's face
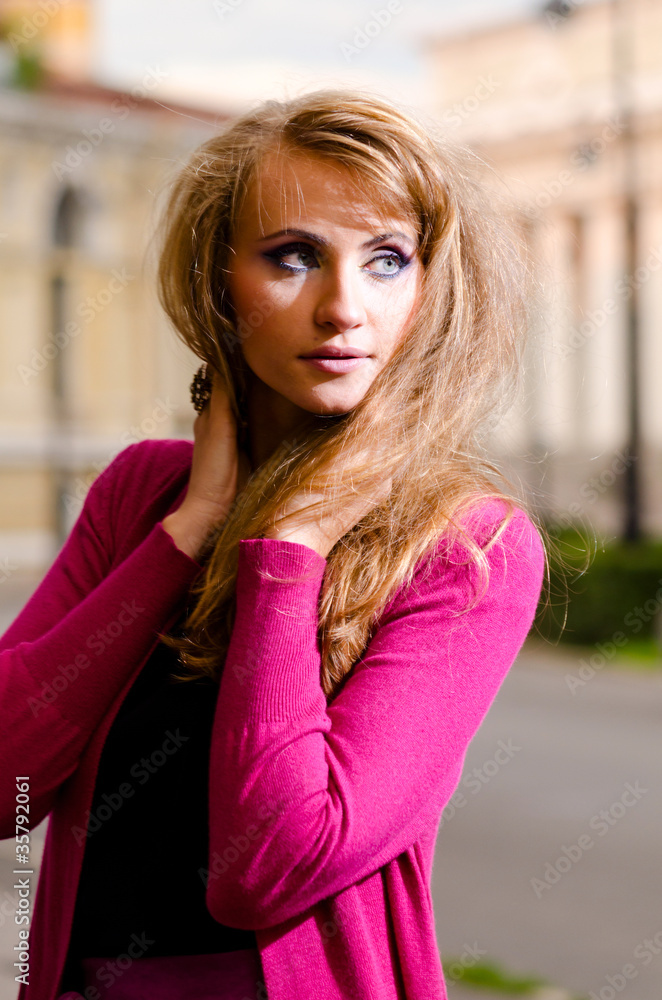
x=314, y=266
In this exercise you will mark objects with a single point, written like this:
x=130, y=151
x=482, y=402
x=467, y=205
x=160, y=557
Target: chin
x=330, y=400
x=331, y=409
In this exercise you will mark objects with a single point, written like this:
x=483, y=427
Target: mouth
x=345, y=363
x=330, y=352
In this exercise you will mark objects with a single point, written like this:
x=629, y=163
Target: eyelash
x=279, y=253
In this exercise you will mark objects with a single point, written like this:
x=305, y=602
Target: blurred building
x=546, y=101
x=58, y=32
x=89, y=364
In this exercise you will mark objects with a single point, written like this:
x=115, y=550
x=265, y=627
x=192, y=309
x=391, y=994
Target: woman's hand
x=218, y=472
x=322, y=532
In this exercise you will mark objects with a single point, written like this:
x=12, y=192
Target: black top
x=148, y=826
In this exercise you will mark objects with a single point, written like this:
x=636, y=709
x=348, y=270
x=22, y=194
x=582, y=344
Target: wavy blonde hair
x=421, y=419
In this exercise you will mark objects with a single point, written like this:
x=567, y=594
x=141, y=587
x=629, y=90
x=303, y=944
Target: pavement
x=547, y=859
x=550, y=861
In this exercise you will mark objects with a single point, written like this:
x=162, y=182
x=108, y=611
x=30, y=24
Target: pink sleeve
x=73, y=647
x=305, y=798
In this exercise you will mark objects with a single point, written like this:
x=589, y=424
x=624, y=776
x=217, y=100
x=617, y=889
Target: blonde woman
x=245, y=689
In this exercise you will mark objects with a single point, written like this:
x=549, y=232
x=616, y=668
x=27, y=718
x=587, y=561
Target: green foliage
x=27, y=65
x=28, y=70
x=490, y=975
x=608, y=588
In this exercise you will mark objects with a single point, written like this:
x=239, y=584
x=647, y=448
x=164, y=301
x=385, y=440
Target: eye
x=388, y=264
x=295, y=257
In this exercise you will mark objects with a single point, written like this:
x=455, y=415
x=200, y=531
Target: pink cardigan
x=323, y=819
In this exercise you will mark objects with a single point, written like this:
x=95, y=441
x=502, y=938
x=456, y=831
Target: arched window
x=67, y=237
x=68, y=220
x=67, y=241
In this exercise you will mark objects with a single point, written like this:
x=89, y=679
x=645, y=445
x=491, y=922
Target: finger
x=220, y=400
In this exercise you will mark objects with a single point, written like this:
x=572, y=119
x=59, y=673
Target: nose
x=340, y=302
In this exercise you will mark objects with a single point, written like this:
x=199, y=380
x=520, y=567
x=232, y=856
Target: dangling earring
x=201, y=387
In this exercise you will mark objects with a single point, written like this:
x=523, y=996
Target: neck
x=271, y=419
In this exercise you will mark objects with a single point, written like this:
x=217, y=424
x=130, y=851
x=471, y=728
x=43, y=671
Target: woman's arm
x=308, y=799
x=77, y=641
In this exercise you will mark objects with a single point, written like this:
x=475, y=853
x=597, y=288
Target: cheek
x=267, y=325
x=246, y=293
x=259, y=302
x=398, y=314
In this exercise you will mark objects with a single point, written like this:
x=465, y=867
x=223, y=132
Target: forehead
x=291, y=189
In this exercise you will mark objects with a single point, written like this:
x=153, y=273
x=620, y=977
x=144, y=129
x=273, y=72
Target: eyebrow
x=304, y=234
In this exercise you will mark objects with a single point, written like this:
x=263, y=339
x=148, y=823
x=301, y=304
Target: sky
x=234, y=52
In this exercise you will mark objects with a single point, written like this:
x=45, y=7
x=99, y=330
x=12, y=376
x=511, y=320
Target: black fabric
x=148, y=827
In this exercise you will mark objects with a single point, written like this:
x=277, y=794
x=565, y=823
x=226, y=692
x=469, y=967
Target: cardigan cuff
x=186, y=562
x=273, y=661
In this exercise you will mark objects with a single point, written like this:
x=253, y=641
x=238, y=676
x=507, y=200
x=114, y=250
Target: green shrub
x=609, y=588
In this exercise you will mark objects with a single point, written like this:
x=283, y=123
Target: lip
x=336, y=352
x=338, y=365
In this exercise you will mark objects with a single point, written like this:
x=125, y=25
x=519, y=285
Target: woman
x=248, y=808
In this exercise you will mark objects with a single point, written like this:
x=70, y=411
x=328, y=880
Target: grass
x=489, y=975
x=644, y=653
x=637, y=654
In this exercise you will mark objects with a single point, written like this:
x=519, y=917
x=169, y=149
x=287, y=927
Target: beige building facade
x=89, y=364
x=544, y=101
x=88, y=361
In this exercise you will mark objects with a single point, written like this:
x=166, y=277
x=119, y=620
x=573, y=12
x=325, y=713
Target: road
x=551, y=862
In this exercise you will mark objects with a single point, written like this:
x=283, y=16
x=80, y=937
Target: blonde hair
x=421, y=419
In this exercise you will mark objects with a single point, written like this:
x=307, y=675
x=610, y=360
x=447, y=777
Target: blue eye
x=302, y=257
x=392, y=263
x=297, y=258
